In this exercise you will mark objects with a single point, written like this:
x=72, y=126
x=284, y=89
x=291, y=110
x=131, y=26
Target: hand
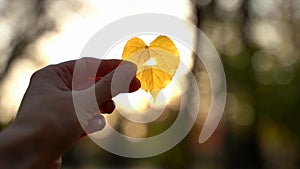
x=46, y=124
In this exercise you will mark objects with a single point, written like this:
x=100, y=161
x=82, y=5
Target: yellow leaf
x=157, y=63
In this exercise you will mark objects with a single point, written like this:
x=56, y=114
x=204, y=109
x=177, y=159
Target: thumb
x=117, y=81
x=121, y=80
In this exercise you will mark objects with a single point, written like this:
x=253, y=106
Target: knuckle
x=42, y=73
x=106, y=84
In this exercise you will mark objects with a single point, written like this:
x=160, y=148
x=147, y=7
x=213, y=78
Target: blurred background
x=258, y=42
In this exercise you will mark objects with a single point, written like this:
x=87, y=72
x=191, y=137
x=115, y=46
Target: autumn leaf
x=157, y=63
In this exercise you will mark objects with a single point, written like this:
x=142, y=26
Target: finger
x=134, y=85
x=83, y=73
x=89, y=65
x=117, y=81
x=89, y=70
x=97, y=123
x=107, y=107
x=103, y=67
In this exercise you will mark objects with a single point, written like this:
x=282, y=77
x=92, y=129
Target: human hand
x=46, y=123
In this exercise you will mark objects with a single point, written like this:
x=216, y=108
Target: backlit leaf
x=157, y=63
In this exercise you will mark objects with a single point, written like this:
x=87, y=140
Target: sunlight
x=151, y=62
x=14, y=88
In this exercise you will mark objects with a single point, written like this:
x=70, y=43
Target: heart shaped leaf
x=157, y=63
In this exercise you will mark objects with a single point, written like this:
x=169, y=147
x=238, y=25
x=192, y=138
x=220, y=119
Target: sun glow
x=151, y=62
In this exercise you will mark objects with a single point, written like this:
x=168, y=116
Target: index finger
x=88, y=71
x=103, y=67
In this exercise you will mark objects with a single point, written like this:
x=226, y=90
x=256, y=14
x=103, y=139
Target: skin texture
x=46, y=125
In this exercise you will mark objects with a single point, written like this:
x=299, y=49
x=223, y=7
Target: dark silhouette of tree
x=29, y=20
